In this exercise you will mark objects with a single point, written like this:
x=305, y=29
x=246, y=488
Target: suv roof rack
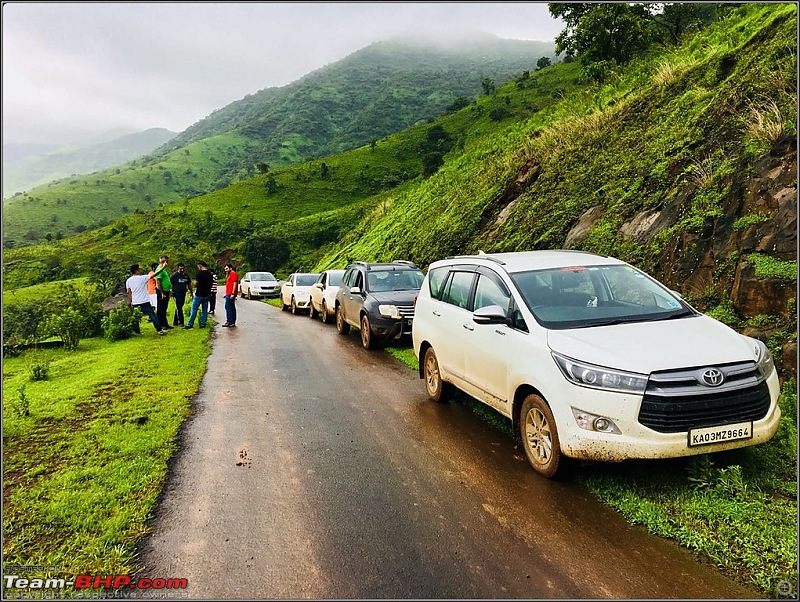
x=479, y=255
x=370, y=264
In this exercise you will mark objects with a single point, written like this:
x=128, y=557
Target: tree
x=431, y=162
x=543, y=62
x=603, y=32
x=262, y=167
x=266, y=253
x=488, y=86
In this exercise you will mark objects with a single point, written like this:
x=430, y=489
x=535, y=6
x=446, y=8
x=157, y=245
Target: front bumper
x=637, y=441
x=390, y=328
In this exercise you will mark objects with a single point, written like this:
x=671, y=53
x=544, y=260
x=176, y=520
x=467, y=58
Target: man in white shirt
x=138, y=297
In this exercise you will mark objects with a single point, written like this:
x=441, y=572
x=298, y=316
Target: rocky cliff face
x=758, y=221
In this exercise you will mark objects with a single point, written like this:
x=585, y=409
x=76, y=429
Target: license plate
x=721, y=434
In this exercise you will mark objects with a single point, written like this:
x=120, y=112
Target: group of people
x=151, y=293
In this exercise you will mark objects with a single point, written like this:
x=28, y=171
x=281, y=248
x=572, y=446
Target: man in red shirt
x=231, y=292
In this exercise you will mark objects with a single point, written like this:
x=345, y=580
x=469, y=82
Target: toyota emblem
x=712, y=377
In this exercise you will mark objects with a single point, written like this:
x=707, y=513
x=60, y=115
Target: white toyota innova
x=590, y=358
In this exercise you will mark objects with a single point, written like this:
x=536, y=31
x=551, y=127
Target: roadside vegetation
x=675, y=132
x=87, y=435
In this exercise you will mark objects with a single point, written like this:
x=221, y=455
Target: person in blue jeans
x=202, y=294
x=138, y=297
x=231, y=292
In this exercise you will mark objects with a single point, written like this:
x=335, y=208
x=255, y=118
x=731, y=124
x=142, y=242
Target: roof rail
x=479, y=256
x=405, y=262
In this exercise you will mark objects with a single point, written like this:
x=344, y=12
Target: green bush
x=69, y=325
x=122, y=323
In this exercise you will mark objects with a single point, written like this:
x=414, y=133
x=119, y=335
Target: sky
x=77, y=70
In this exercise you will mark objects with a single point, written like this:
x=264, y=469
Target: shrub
x=39, y=368
x=122, y=323
x=68, y=325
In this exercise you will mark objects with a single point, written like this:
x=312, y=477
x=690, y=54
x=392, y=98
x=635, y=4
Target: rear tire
x=342, y=327
x=437, y=389
x=284, y=307
x=540, y=439
x=312, y=313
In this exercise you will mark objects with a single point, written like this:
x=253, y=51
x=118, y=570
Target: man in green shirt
x=163, y=289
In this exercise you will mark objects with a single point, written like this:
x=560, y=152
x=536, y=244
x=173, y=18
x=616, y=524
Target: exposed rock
x=641, y=224
x=789, y=359
x=583, y=226
x=113, y=302
x=753, y=296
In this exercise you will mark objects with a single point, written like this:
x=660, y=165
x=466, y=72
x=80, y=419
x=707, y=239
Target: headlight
x=764, y=359
x=389, y=311
x=595, y=377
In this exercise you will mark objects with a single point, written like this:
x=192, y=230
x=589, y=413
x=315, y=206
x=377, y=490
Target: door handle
x=469, y=327
x=436, y=313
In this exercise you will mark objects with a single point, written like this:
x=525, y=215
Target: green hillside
x=42, y=168
x=374, y=92
x=682, y=161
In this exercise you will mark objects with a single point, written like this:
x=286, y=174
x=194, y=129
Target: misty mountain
x=26, y=166
x=373, y=92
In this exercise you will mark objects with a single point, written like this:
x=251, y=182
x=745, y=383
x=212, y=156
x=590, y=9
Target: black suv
x=379, y=299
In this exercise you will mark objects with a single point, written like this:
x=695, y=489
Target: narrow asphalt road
x=312, y=468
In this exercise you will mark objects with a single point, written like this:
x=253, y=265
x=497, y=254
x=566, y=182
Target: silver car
x=259, y=284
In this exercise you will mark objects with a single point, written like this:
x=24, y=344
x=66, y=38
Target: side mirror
x=491, y=314
x=355, y=290
x=287, y=283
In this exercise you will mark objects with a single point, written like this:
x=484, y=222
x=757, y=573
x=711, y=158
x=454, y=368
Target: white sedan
x=296, y=291
x=323, y=295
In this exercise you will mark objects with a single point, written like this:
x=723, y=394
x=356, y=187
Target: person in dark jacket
x=181, y=284
x=202, y=293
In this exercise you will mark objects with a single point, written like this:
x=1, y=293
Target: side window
x=457, y=292
x=348, y=278
x=436, y=279
x=359, y=282
x=489, y=293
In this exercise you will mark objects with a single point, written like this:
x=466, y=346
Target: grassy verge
x=85, y=451
x=275, y=302
x=736, y=509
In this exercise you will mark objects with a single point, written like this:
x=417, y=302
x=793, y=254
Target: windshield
x=306, y=279
x=394, y=280
x=262, y=276
x=577, y=297
x=334, y=278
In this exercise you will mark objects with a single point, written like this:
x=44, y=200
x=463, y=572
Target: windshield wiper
x=682, y=314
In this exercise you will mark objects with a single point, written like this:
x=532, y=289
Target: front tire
x=294, y=306
x=312, y=313
x=342, y=327
x=367, y=340
x=326, y=317
x=437, y=389
x=540, y=438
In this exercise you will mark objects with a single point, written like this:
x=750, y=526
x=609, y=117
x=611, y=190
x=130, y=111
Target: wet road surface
x=312, y=468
